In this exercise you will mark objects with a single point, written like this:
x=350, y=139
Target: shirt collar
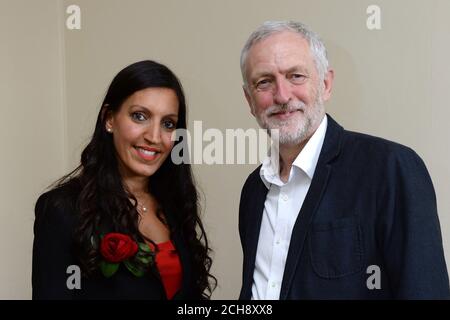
x=306, y=160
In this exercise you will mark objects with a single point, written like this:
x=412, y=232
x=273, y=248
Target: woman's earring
x=109, y=130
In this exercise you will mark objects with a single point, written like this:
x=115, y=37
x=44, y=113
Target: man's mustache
x=286, y=107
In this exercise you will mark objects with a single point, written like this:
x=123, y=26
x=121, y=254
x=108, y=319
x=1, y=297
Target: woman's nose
x=153, y=133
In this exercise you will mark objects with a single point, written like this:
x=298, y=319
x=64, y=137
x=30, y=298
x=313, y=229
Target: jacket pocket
x=336, y=248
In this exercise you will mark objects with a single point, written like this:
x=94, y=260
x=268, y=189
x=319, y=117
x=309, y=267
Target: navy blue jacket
x=371, y=202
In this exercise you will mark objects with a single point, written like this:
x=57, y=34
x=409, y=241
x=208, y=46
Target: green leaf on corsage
x=144, y=247
x=108, y=268
x=134, y=268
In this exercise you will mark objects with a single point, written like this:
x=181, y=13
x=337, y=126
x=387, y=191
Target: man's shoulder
x=375, y=147
x=252, y=183
x=253, y=177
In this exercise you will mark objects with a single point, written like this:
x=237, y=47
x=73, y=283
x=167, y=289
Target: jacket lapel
x=253, y=225
x=330, y=150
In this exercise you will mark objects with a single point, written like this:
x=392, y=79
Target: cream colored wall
x=391, y=83
x=31, y=129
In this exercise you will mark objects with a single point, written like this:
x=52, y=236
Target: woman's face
x=142, y=130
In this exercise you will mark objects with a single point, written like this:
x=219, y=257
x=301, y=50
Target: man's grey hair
x=268, y=28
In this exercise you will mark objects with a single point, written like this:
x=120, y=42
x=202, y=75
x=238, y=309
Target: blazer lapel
x=253, y=225
x=330, y=150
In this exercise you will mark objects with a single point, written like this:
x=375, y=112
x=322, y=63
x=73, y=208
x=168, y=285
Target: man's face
x=284, y=90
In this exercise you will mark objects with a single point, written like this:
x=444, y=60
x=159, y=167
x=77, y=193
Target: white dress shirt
x=281, y=208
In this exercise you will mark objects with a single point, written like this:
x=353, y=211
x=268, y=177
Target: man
x=331, y=214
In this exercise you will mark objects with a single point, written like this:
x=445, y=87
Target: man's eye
x=168, y=124
x=263, y=84
x=297, y=78
x=138, y=116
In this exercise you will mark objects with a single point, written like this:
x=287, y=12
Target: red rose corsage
x=117, y=248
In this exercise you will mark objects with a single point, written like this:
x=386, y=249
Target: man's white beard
x=294, y=131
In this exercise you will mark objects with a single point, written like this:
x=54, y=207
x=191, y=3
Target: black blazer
x=55, y=221
x=371, y=202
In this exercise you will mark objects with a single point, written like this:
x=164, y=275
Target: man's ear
x=328, y=84
x=248, y=98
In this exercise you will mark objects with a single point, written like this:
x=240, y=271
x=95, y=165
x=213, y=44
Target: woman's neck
x=138, y=186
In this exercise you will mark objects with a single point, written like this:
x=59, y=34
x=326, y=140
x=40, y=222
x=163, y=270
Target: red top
x=169, y=267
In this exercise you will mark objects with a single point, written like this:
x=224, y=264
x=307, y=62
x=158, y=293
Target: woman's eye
x=138, y=116
x=168, y=124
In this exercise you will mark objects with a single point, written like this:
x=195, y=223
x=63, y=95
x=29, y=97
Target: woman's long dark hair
x=104, y=198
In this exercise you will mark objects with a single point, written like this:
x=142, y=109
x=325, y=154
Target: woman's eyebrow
x=149, y=111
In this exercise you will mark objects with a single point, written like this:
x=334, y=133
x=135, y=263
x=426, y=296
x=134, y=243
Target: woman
x=125, y=223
